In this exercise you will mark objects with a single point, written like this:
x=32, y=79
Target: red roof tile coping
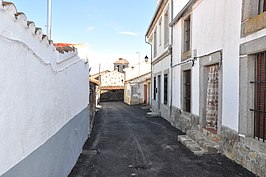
x=121, y=61
x=112, y=87
x=63, y=44
x=4, y=3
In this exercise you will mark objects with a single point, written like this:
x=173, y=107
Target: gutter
x=151, y=72
x=171, y=62
x=159, y=7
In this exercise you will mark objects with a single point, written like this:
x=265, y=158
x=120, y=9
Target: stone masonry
x=212, y=97
x=248, y=152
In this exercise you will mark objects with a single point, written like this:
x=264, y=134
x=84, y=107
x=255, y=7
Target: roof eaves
x=156, y=16
x=146, y=74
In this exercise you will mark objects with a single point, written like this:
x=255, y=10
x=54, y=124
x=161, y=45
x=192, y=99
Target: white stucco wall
x=112, y=78
x=137, y=70
x=161, y=34
x=178, y=5
x=158, y=69
x=215, y=26
x=40, y=93
x=177, y=46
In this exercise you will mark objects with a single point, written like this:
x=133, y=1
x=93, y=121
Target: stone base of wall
x=165, y=111
x=248, y=152
x=183, y=120
x=58, y=155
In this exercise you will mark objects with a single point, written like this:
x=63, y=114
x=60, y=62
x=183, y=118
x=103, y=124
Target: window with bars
x=165, y=97
x=187, y=34
x=260, y=97
x=262, y=6
x=154, y=88
x=187, y=90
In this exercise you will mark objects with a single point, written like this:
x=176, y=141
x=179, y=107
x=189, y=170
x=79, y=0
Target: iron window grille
x=154, y=88
x=260, y=97
x=165, y=100
x=262, y=6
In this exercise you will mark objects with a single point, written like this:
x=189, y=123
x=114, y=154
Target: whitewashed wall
x=217, y=28
x=161, y=47
x=178, y=5
x=159, y=68
x=112, y=78
x=176, y=85
x=137, y=70
x=41, y=90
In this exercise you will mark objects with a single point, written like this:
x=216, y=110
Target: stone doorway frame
x=204, y=62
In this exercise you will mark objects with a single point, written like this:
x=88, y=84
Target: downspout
x=151, y=72
x=171, y=62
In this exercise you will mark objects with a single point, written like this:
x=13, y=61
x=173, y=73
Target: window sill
x=254, y=24
x=186, y=55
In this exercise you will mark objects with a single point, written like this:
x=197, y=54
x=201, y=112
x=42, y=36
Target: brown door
x=145, y=94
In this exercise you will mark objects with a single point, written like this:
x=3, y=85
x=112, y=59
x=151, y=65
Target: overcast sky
x=111, y=28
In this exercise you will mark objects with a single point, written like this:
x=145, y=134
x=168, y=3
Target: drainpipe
x=171, y=62
x=151, y=72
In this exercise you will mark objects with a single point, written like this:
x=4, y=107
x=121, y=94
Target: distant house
x=112, y=78
x=112, y=82
x=120, y=64
x=137, y=83
x=112, y=86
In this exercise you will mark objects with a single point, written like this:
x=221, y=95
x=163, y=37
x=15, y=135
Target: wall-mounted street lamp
x=146, y=58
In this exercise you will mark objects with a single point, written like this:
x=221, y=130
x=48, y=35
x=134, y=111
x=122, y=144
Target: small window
x=154, y=88
x=166, y=29
x=155, y=43
x=262, y=6
x=187, y=90
x=187, y=36
x=165, y=100
x=160, y=32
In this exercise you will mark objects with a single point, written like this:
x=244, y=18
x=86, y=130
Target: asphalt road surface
x=126, y=143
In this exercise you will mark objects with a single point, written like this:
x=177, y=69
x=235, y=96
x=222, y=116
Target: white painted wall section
x=214, y=29
x=39, y=95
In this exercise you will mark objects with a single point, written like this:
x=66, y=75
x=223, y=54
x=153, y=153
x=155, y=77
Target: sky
x=112, y=29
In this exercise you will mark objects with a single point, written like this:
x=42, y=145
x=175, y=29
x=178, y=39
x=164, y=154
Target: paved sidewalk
x=126, y=143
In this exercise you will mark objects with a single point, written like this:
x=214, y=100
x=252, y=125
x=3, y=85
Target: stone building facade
x=217, y=64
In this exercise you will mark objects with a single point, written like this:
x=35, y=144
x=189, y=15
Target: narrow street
x=126, y=143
